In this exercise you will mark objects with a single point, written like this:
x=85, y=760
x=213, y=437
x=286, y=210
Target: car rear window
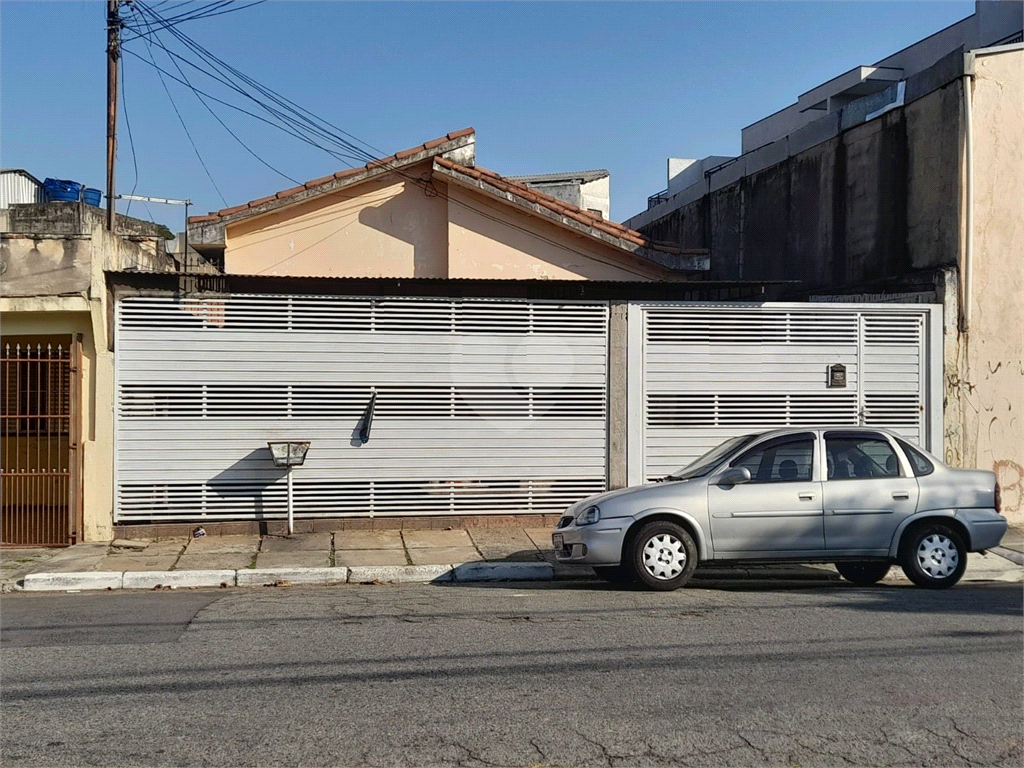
x=920, y=462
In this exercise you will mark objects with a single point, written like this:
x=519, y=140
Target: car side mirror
x=735, y=476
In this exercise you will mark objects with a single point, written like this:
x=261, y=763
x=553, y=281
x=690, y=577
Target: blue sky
x=548, y=86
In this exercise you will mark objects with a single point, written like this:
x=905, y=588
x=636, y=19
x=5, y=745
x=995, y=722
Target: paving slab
x=441, y=555
x=214, y=562
x=541, y=537
x=305, y=542
x=368, y=540
x=421, y=539
x=209, y=545
x=353, y=558
x=79, y=558
x=162, y=547
x=511, y=544
x=140, y=562
x=293, y=559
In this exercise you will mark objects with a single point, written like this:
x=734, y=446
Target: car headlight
x=588, y=516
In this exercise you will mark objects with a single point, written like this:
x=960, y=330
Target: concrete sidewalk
x=375, y=556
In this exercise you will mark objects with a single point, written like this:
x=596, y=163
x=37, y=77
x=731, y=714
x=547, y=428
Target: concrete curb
x=270, y=577
x=62, y=582
x=503, y=572
x=1009, y=554
x=398, y=574
x=177, y=579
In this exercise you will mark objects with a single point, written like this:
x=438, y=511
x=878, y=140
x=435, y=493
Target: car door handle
x=806, y=497
x=900, y=495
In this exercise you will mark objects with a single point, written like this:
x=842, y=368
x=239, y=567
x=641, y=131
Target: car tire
x=933, y=556
x=615, y=574
x=863, y=573
x=663, y=556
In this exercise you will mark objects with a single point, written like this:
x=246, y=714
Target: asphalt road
x=516, y=675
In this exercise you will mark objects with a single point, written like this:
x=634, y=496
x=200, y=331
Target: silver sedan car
x=860, y=498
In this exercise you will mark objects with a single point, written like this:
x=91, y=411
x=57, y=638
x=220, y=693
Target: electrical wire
x=190, y=139
x=310, y=123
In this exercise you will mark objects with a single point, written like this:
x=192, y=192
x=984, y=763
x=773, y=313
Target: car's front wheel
x=663, y=556
x=933, y=556
x=864, y=573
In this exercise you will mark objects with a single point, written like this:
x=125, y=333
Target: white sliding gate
x=478, y=406
x=702, y=373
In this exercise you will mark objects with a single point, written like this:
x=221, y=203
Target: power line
x=309, y=122
x=191, y=141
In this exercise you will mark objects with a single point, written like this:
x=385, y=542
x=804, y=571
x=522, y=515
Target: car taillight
x=999, y=498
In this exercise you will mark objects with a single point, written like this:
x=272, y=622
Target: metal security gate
x=703, y=373
x=38, y=431
x=412, y=406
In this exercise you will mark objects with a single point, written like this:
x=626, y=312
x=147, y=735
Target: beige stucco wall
x=386, y=228
x=487, y=239
x=989, y=385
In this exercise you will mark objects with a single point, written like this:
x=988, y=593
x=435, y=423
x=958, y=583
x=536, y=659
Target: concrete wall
x=490, y=240
x=53, y=284
x=985, y=387
x=873, y=202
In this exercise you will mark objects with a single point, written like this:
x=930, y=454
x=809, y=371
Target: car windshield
x=711, y=459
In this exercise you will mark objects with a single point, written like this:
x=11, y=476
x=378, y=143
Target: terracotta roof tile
x=553, y=204
x=347, y=173
x=289, y=192
x=319, y=182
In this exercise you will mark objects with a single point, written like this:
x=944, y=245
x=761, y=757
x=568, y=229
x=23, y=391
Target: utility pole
x=113, y=54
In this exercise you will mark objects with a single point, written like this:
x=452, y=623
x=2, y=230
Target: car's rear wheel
x=615, y=574
x=933, y=556
x=663, y=556
x=863, y=573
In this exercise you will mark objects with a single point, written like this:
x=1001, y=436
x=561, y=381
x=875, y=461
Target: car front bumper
x=986, y=527
x=597, y=544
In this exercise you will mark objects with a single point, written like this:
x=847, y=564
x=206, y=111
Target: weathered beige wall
x=51, y=315
x=386, y=228
x=990, y=385
x=488, y=241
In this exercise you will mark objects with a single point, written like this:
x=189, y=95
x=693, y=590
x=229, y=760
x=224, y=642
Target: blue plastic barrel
x=62, y=190
x=92, y=196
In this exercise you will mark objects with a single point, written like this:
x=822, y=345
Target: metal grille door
x=432, y=406
x=708, y=372
x=38, y=477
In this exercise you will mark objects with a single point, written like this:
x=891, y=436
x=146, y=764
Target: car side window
x=779, y=462
x=920, y=462
x=860, y=458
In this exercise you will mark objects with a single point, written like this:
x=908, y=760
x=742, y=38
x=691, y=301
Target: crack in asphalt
x=952, y=747
x=472, y=755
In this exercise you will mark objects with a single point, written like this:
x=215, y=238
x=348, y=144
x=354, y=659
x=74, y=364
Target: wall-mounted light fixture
x=289, y=454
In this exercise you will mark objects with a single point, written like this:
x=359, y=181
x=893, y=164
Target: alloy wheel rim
x=937, y=556
x=664, y=556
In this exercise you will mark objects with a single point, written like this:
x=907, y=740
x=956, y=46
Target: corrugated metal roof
x=19, y=186
x=583, y=176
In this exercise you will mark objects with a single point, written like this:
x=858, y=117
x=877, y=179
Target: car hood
x=633, y=490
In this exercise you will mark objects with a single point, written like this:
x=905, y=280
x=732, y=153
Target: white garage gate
x=467, y=406
x=701, y=373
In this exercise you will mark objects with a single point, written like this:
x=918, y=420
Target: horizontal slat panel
x=501, y=392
